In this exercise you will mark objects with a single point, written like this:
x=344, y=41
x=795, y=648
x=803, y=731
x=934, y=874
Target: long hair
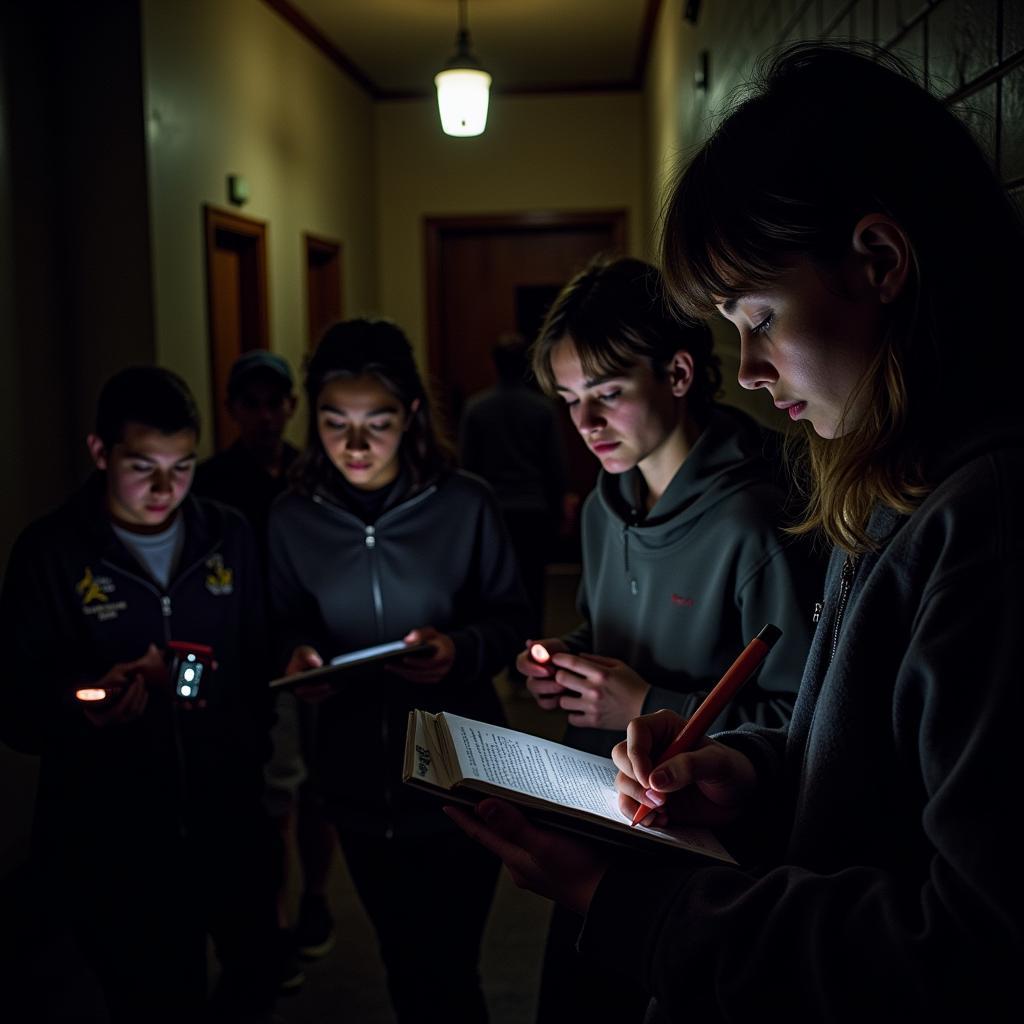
x=376, y=348
x=830, y=134
x=616, y=314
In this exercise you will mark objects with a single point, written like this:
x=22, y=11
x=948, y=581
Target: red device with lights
x=188, y=664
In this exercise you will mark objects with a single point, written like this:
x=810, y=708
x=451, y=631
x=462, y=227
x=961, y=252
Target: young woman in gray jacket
x=378, y=540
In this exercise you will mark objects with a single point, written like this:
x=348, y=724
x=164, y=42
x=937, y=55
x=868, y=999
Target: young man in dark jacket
x=149, y=830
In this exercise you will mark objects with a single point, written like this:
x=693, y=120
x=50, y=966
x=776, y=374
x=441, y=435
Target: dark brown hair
x=149, y=395
x=616, y=315
x=376, y=348
x=830, y=134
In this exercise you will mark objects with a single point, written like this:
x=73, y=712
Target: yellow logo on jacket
x=220, y=580
x=95, y=592
x=90, y=588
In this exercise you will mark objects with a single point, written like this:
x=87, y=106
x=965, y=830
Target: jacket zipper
x=845, y=585
x=634, y=587
x=166, y=611
x=370, y=541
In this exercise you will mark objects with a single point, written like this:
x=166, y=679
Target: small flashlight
x=91, y=694
x=540, y=654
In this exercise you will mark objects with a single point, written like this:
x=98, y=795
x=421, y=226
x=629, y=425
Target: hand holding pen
x=664, y=754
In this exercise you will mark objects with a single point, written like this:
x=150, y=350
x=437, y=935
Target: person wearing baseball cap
x=249, y=475
x=253, y=471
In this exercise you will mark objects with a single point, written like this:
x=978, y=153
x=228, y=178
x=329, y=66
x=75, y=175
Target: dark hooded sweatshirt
x=890, y=888
x=679, y=592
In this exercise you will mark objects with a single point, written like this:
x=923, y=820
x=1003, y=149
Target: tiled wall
x=969, y=52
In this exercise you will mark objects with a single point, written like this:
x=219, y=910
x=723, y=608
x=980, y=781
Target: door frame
x=252, y=232
x=435, y=228
x=322, y=245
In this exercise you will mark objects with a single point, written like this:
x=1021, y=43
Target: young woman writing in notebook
x=849, y=227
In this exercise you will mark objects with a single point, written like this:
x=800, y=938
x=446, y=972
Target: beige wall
x=232, y=88
x=970, y=51
x=679, y=117
x=662, y=109
x=538, y=153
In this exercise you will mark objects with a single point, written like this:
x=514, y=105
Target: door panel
x=323, y=285
x=493, y=274
x=236, y=283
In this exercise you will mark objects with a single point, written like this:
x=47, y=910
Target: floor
x=348, y=984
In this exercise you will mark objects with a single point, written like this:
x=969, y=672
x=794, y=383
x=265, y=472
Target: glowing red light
x=540, y=653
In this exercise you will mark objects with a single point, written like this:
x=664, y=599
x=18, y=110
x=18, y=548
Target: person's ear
x=680, y=372
x=290, y=403
x=97, y=450
x=886, y=254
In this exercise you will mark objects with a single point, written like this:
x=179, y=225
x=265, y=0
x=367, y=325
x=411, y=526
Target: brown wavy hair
x=830, y=134
x=616, y=313
x=377, y=348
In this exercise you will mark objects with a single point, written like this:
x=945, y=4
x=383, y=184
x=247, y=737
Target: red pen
x=714, y=703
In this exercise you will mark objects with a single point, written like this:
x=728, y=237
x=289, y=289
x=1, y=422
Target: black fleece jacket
x=438, y=556
x=75, y=602
x=891, y=886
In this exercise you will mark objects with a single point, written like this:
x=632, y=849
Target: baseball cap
x=258, y=359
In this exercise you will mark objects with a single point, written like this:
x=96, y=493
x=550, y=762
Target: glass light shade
x=462, y=95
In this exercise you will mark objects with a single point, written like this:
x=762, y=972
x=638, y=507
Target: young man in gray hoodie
x=685, y=557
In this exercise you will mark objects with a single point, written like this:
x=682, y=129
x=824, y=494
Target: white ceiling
x=527, y=45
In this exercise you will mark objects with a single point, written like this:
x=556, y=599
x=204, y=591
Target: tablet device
x=336, y=668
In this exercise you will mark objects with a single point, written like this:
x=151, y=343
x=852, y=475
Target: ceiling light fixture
x=463, y=87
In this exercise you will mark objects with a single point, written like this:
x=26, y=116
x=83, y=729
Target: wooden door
x=236, y=284
x=323, y=285
x=488, y=275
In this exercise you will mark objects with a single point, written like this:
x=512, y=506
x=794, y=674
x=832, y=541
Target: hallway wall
x=560, y=152
x=232, y=88
x=74, y=255
x=969, y=52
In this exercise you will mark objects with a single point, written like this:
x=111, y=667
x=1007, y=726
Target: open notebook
x=466, y=760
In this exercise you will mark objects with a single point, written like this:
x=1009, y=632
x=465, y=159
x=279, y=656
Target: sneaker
x=314, y=933
x=291, y=976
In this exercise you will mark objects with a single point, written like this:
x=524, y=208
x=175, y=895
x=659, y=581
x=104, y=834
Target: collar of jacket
x=728, y=456
x=404, y=492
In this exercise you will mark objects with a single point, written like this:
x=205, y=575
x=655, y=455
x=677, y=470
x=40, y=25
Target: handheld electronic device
x=188, y=663
x=351, y=663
